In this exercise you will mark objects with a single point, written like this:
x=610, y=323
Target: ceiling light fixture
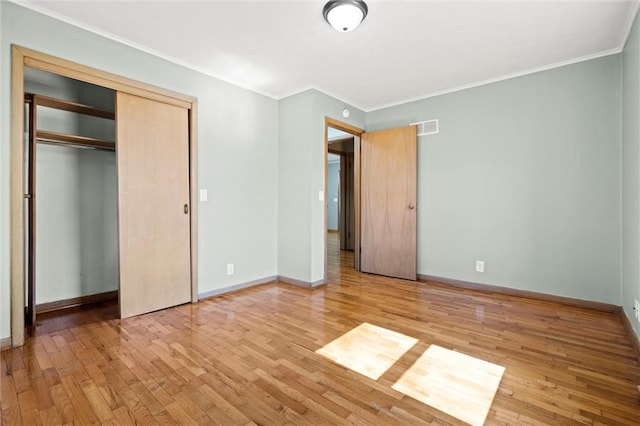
x=345, y=15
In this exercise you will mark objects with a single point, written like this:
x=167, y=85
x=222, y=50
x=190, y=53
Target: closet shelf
x=46, y=101
x=55, y=138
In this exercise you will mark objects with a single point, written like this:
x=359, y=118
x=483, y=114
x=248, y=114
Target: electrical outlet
x=479, y=265
x=229, y=268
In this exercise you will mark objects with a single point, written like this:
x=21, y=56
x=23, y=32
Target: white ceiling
x=403, y=50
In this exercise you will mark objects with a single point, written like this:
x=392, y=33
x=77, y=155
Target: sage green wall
x=301, y=167
x=631, y=174
x=525, y=175
x=295, y=195
x=238, y=148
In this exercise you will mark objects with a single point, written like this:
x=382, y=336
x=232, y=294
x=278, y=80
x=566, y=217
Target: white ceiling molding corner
x=635, y=7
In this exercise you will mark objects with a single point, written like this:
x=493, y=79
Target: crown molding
x=502, y=78
x=627, y=30
x=89, y=28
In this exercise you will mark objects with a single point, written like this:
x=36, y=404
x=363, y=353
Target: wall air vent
x=429, y=127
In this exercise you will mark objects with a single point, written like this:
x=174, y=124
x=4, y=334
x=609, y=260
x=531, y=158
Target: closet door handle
x=186, y=209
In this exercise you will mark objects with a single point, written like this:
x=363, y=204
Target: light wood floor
x=249, y=357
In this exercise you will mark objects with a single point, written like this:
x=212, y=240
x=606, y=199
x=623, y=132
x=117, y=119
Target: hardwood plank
x=11, y=416
x=137, y=410
x=81, y=405
x=179, y=414
x=222, y=405
x=9, y=394
x=50, y=416
x=28, y=408
x=63, y=404
x=122, y=417
x=249, y=358
x=41, y=393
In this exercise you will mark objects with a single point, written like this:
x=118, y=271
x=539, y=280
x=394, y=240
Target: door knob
x=186, y=209
x=411, y=206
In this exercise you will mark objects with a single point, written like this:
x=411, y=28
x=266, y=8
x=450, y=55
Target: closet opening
x=71, y=198
x=128, y=219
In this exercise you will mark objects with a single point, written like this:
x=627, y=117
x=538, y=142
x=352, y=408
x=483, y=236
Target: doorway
x=384, y=232
x=341, y=187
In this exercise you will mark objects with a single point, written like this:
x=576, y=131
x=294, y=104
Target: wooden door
x=388, y=180
x=153, y=204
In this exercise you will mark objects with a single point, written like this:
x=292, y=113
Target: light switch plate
x=321, y=195
x=204, y=195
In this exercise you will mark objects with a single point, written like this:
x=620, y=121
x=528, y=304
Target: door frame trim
x=22, y=57
x=356, y=132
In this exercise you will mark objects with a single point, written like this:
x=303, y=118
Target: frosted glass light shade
x=345, y=15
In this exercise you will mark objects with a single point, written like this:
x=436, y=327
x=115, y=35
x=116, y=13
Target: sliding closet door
x=153, y=204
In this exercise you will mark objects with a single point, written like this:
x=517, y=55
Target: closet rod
x=46, y=101
x=55, y=138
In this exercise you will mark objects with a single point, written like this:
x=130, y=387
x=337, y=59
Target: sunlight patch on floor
x=457, y=384
x=368, y=349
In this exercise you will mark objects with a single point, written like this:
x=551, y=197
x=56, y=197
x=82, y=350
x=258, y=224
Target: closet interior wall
x=76, y=195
